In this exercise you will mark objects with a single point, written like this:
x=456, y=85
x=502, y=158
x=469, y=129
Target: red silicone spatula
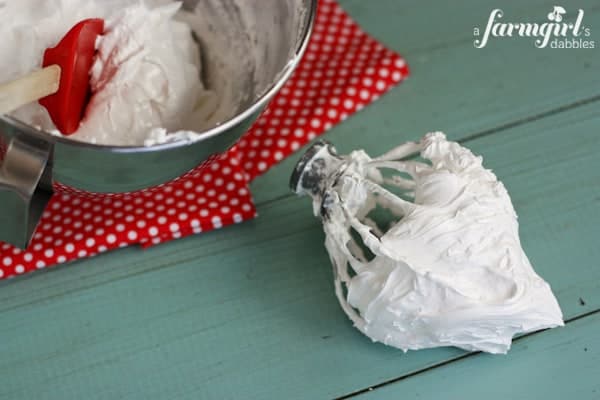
x=63, y=85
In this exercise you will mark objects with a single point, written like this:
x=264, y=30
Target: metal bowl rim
x=225, y=126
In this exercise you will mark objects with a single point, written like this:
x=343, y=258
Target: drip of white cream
x=451, y=271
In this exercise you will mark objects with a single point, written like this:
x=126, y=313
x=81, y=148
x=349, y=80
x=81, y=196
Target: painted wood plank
x=387, y=118
x=454, y=87
x=100, y=353
x=417, y=26
x=553, y=365
x=251, y=312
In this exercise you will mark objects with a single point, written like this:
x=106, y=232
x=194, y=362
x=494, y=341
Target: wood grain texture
x=256, y=314
x=249, y=312
x=553, y=365
x=456, y=88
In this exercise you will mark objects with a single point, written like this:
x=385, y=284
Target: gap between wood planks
x=124, y=276
x=452, y=360
x=284, y=197
x=487, y=132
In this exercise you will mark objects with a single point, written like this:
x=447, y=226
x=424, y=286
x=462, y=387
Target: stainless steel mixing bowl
x=274, y=33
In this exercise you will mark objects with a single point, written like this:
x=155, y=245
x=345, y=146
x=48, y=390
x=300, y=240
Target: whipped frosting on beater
x=146, y=76
x=450, y=270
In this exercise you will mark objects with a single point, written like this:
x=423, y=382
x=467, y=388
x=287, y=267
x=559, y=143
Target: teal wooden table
x=249, y=312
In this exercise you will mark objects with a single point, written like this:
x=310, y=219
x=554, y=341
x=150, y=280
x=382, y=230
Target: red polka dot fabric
x=343, y=70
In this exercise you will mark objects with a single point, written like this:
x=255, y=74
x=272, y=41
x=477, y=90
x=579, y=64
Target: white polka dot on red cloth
x=343, y=70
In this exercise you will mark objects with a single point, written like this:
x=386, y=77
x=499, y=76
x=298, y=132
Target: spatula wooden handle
x=29, y=88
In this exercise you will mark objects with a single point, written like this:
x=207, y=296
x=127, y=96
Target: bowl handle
x=23, y=160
